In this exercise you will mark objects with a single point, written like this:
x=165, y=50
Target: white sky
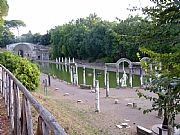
x=42, y=15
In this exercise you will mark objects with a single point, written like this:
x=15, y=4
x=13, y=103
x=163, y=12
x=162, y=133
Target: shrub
x=25, y=71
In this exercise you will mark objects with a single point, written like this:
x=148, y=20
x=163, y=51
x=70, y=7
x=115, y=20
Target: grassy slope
x=73, y=119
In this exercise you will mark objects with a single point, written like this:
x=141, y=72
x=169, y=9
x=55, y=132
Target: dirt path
x=111, y=114
x=5, y=128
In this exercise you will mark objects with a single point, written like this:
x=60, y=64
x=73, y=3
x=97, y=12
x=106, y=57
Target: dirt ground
x=110, y=114
x=5, y=128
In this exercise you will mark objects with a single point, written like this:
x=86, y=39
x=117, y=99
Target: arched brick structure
x=31, y=51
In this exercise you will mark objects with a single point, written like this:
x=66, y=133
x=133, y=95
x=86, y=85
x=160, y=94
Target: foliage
x=25, y=71
x=36, y=38
x=163, y=34
x=14, y=24
x=3, y=10
x=93, y=38
x=165, y=83
x=6, y=36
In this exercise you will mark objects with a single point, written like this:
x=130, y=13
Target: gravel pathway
x=111, y=114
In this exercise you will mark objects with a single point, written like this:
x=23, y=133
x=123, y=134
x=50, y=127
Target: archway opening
x=21, y=53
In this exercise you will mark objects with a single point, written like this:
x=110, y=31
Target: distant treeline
x=92, y=38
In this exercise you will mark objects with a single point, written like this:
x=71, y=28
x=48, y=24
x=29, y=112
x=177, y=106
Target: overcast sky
x=42, y=15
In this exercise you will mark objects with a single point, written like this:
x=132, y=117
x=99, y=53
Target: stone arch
x=23, y=49
x=145, y=59
x=123, y=60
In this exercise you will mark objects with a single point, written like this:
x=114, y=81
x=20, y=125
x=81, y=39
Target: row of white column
x=73, y=69
x=64, y=60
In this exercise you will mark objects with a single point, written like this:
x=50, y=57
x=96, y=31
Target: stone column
x=65, y=59
x=105, y=75
x=130, y=75
x=94, y=77
x=84, y=75
x=62, y=67
x=62, y=60
x=56, y=63
x=76, y=67
x=97, y=104
x=56, y=60
x=71, y=74
x=69, y=60
x=107, y=85
x=160, y=66
x=73, y=60
x=117, y=75
x=59, y=60
x=141, y=76
x=151, y=69
x=65, y=64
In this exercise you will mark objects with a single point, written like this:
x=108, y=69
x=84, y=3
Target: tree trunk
x=165, y=120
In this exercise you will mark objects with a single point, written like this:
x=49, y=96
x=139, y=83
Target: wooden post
x=9, y=103
x=45, y=128
x=17, y=126
x=23, y=117
x=29, y=118
x=107, y=85
x=6, y=89
x=84, y=75
x=11, y=108
x=2, y=82
x=105, y=76
x=97, y=104
x=39, y=126
x=7, y=93
x=94, y=77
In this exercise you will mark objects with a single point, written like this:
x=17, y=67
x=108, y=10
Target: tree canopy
x=3, y=10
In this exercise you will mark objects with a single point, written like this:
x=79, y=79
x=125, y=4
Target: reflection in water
x=63, y=73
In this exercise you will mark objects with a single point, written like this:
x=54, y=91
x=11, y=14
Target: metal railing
x=19, y=101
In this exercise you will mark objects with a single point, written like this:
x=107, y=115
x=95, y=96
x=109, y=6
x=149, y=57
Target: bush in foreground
x=25, y=71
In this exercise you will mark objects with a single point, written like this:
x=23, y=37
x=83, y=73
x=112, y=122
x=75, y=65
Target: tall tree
x=14, y=24
x=165, y=83
x=3, y=10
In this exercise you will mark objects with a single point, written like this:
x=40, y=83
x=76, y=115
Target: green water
x=63, y=73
